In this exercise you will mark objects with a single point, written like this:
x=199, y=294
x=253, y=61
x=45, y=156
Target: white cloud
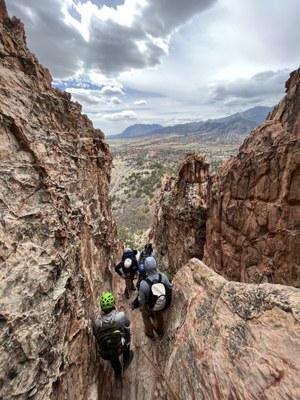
x=140, y=102
x=115, y=101
x=126, y=115
x=186, y=60
x=92, y=99
x=112, y=90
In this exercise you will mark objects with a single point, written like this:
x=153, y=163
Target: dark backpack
x=110, y=340
x=129, y=254
x=160, y=295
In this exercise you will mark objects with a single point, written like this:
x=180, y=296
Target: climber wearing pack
x=112, y=333
x=142, y=275
x=127, y=269
x=146, y=252
x=155, y=295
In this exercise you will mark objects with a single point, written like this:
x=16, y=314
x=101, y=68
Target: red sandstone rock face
x=223, y=340
x=228, y=340
x=180, y=218
x=57, y=238
x=253, y=228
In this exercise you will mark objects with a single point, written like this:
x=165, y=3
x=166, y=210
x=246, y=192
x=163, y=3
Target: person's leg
x=128, y=287
x=127, y=353
x=146, y=313
x=116, y=366
x=159, y=322
x=138, y=281
x=132, y=284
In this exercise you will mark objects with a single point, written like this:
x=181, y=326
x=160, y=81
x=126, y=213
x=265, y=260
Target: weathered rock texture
x=228, y=340
x=223, y=340
x=57, y=237
x=179, y=228
x=253, y=228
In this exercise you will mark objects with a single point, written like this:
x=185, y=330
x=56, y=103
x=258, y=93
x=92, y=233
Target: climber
x=113, y=335
x=142, y=275
x=155, y=295
x=127, y=269
x=146, y=252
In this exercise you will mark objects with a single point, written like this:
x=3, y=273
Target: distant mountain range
x=139, y=130
x=239, y=124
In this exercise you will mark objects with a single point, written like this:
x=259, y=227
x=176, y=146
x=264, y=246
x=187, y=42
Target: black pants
x=116, y=363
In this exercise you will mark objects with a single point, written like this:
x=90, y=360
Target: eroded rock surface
x=253, y=228
x=57, y=238
x=223, y=340
x=231, y=340
x=180, y=218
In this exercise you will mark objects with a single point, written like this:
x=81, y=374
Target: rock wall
x=229, y=340
x=253, y=228
x=223, y=340
x=57, y=237
x=180, y=217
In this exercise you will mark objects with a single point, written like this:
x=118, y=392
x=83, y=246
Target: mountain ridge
x=239, y=123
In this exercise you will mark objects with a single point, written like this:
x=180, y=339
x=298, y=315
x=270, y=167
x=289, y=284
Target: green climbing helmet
x=107, y=301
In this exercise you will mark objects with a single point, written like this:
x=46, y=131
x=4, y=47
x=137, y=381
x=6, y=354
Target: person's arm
x=141, y=298
x=97, y=324
x=166, y=281
x=135, y=265
x=118, y=267
x=141, y=256
x=122, y=317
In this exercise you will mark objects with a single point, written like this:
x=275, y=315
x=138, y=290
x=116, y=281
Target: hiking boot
x=148, y=335
x=159, y=334
x=126, y=365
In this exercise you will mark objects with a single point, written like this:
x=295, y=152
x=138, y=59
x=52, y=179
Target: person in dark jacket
x=146, y=252
x=127, y=269
x=143, y=299
x=109, y=315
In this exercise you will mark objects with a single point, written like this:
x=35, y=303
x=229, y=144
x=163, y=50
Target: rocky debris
x=180, y=217
x=57, y=237
x=253, y=227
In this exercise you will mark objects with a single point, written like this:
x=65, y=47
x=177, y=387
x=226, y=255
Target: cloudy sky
x=164, y=61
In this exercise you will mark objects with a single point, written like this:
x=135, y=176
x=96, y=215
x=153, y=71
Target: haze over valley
x=144, y=156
